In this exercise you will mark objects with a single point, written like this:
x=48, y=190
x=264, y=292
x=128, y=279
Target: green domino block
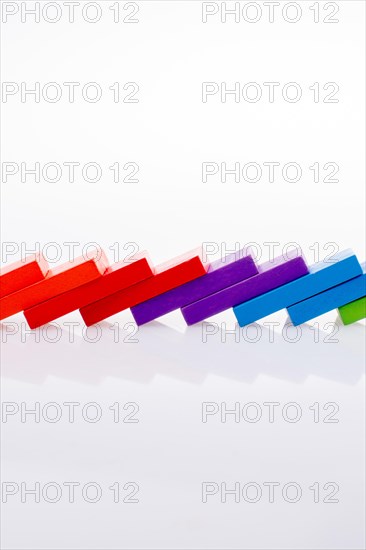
x=354, y=311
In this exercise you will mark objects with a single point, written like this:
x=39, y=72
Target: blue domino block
x=321, y=277
x=333, y=298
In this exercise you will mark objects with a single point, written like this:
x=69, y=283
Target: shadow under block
x=169, y=275
x=321, y=277
x=118, y=276
x=271, y=275
x=21, y=274
x=333, y=298
x=61, y=279
x=353, y=312
x=221, y=273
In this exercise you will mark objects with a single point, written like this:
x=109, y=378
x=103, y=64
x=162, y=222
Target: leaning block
x=118, y=276
x=221, y=273
x=321, y=277
x=21, y=274
x=169, y=275
x=353, y=312
x=65, y=277
x=271, y=275
x=333, y=298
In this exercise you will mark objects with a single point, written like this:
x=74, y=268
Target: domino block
x=321, y=277
x=21, y=274
x=353, y=312
x=61, y=279
x=333, y=298
x=221, y=273
x=169, y=275
x=271, y=275
x=118, y=276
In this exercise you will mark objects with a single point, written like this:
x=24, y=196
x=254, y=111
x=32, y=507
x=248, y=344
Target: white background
x=169, y=371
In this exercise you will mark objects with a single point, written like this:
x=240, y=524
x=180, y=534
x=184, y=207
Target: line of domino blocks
x=189, y=283
x=321, y=277
x=331, y=298
x=221, y=274
x=115, y=278
x=167, y=276
x=64, y=278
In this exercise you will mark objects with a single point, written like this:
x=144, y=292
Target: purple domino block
x=222, y=273
x=271, y=275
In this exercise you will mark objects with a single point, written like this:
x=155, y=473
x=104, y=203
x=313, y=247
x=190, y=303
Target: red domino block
x=65, y=277
x=168, y=275
x=118, y=276
x=21, y=274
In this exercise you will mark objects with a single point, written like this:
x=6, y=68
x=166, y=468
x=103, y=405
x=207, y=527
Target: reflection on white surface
x=168, y=373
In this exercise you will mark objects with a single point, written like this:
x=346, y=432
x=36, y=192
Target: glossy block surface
x=333, y=298
x=63, y=278
x=353, y=312
x=321, y=277
x=117, y=277
x=271, y=275
x=21, y=274
x=221, y=273
x=168, y=275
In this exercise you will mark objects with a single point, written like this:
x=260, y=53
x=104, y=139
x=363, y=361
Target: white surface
x=171, y=452
x=169, y=372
